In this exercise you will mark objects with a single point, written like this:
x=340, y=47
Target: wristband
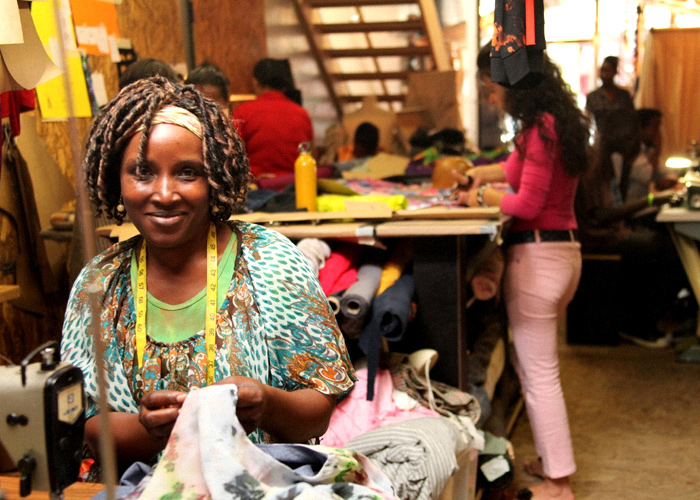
x=480, y=194
x=650, y=199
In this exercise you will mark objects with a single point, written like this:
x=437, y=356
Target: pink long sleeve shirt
x=543, y=196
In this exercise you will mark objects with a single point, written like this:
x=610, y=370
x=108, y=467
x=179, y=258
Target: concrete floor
x=635, y=421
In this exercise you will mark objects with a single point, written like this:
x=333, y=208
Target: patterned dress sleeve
x=77, y=347
x=305, y=346
x=76, y=343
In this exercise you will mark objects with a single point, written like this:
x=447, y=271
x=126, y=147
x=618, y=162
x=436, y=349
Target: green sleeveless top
x=170, y=323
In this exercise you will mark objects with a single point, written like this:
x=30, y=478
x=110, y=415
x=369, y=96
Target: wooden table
x=9, y=486
x=684, y=227
x=8, y=292
x=451, y=242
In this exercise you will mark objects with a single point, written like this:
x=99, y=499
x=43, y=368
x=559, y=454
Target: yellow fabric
x=669, y=82
x=394, y=266
x=336, y=202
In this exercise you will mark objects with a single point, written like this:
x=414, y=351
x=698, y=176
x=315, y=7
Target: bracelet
x=480, y=194
x=650, y=199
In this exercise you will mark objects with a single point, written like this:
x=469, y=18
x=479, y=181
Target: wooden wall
x=231, y=35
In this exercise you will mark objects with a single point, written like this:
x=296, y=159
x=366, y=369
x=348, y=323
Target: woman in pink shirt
x=543, y=255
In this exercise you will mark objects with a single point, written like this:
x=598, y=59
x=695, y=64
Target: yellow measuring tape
x=210, y=310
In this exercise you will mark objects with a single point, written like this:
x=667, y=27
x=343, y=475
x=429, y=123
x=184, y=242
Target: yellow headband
x=174, y=115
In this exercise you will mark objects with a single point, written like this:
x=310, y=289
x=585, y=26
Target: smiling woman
x=194, y=299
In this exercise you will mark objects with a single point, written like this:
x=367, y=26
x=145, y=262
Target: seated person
x=610, y=222
x=211, y=83
x=646, y=174
x=272, y=126
x=365, y=145
x=145, y=68
x=169, y=159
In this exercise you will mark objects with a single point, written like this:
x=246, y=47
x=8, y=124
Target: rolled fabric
x=394, y=267
x=340, y=269
x=357, y=299
x=334, y=301
x=390, y=313
x=316, y=252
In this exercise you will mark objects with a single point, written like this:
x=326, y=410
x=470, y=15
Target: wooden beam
x=370, y=27
x=304, y=16
x=317, y=4
x=380, y=52
x=387, y=75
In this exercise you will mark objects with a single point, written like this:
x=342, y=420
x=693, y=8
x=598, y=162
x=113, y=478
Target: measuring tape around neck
x=210, y=309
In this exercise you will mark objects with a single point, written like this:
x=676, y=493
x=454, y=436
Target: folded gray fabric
x=418, y=455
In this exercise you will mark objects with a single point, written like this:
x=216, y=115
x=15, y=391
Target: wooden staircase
x=369, y=47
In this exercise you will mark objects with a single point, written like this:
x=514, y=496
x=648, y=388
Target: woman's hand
x=252, y=401
x=466, y=189
x=159, y=410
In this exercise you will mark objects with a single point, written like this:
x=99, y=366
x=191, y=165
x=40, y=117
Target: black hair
x=551, y=94
x=144, y=68
x=223, y=151
x=274, y=73
x=366, y=140
x=646, y=115
x=613, y=61
x=207, y=73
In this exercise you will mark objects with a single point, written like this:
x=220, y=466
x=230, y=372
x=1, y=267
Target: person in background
x=211, y=82
x=647, y=174
x=542, y=252
x=145, y=68
x=614, y=220
x=272, y=126
x=608, y=97
x=166, y=157
x=364, y=146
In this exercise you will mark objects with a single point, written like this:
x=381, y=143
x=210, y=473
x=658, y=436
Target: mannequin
x=384, y=120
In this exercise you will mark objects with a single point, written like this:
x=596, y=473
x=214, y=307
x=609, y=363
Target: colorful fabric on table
x=275, y=326
x=336, y=202
x=209, y=456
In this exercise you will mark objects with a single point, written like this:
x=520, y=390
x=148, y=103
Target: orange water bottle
x=305, y=178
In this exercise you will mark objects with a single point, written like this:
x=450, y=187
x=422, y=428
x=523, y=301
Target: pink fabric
x=272, y=127
x=544, y=192
x=354, y=415
x=340, y=270
x=540, y=281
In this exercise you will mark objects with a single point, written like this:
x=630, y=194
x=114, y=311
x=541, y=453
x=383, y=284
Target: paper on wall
x=10, y=26
x=28, y=63
x=65, y=96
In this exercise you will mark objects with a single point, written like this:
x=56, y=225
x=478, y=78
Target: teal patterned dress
x=275, y=326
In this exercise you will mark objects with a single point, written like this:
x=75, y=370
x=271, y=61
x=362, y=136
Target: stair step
x=382, y=98
x=369, y=27
x=379, y=52
x=317, y=4
x=387, y=75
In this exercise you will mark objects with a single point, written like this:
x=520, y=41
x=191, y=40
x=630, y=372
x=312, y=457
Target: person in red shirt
x=273, y=125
